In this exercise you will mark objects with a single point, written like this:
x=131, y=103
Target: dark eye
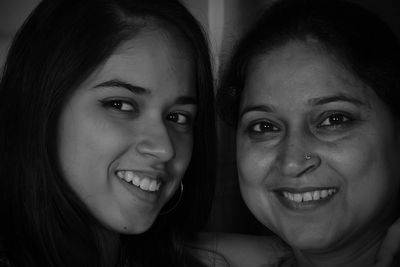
x=120, y=105
x=262, y=127
x=335, y=120
x=178, y=118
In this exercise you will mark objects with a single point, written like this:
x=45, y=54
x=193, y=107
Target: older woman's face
x=317, y=151
x=125, y=137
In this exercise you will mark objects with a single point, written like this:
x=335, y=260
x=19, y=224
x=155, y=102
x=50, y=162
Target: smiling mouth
x=303, y=199
x=309, y=196
x=140, y=180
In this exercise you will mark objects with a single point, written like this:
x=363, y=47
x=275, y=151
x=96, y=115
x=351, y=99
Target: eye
x=335, y=120
x=179, y=118
x=120, y=105
x=262, y=127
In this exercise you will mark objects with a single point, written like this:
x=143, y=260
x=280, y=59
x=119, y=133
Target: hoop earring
x=175, y=204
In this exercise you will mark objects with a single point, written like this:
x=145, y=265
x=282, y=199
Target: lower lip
x=304, y=205
x=147, y=196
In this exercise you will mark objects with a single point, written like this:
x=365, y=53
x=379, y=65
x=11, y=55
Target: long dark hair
x=61, y=43
x=354, y=36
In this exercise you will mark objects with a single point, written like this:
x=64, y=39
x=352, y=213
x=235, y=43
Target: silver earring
x=175, y=204
x=308, y=157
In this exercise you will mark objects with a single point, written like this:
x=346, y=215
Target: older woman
x=313, y=90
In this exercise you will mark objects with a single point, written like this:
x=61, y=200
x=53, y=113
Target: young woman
x=107, y=137
x=313, y=90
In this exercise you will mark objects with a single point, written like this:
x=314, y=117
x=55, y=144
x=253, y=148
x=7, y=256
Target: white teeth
x=121, y=174
x=129, y=176
x=297, y=197
x=316, y=195
x=136, y=181
x=144, y=183
x=153, y=186
x=309, y=196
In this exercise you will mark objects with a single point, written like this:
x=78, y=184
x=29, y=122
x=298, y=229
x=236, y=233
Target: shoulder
x=4, y=261
x=244, y=250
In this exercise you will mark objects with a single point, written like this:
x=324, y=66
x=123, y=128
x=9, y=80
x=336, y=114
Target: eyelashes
x=330, y=122
x=180, y=118
x=262, y=127
x=120, y=105
x=335, y=120
x=127, y=108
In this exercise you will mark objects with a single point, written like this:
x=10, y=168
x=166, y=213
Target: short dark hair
x=60, y=44
x=356, y=38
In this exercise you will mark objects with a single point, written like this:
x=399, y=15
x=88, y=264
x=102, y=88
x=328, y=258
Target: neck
x=359, y=250
x=360, y=254
x=109, y=245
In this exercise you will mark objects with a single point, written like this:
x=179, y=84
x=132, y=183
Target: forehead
x=154, y=37
x=299, y=71
x=154, y=58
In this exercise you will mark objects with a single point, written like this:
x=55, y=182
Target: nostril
x=159, y=148
x=295, y=164
x=312, y=162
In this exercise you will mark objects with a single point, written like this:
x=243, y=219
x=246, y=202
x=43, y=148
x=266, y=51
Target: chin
x=133, y=226
x=140, y=227
x=308, y=244
x=309, y=240
x=134, y=230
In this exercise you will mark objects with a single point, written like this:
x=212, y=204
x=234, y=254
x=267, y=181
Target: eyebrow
x=181, y=100
x=313, y=102
x=261, y=108
x=118, y=83
x=336, y=98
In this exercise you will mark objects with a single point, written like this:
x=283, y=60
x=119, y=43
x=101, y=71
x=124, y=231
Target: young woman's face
x=317, y=151
x=125, y=136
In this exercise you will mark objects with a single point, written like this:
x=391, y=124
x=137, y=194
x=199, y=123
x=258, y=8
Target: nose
x=296, y=156
x=155, y=142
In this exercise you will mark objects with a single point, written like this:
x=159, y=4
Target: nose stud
x=308, y=157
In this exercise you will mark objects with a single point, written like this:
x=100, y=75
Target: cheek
x=253, y=163
x=368, y=174
x=87, y=146
x=255, y=194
